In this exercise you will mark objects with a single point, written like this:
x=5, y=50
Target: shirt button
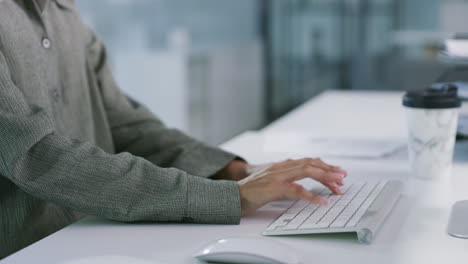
x=56, y=94
x=45, y=43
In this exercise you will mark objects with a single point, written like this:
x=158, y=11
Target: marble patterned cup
x=431, y=139
x=432, y=123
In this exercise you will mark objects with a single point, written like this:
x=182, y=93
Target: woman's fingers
x=308, y=171
x=297, y=191
x=334, y=188
x=332, y=167
x=315, y=162
x=331, y=180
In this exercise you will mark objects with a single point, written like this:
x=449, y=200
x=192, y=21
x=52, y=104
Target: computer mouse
x=247, y=250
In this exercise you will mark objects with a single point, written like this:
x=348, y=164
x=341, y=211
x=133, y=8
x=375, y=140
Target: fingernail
x=338, y=168
x=323, y=201
x=338, y=175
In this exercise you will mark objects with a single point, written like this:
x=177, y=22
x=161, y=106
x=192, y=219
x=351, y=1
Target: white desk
x=414, y=233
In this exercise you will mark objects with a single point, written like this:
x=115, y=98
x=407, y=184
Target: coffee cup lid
x=433, y=98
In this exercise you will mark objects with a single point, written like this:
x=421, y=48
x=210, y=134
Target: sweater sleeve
x=82, y=177
x=138, y=131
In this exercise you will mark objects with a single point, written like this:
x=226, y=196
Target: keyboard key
x=342, y=214
x=304, y=214
x=291, y=213
x=362, y=210
x=301, y=217
x=312, y=221
x=297, y=207
x=353, y=205
x=339, y=206
x=342, y=210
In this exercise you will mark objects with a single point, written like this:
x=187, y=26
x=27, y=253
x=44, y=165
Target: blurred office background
x=215, y=68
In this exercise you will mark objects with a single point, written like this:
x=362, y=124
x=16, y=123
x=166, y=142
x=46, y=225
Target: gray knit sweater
x=72, y=144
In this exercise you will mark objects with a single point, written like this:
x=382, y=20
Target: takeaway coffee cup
x=432, y=122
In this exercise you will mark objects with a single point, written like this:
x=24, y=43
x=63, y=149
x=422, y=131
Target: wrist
x=244, y=203
x=241, y=169
x=248, y=201
x=236, y=170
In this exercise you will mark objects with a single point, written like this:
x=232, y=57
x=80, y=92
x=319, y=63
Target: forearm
x=168, y=148
x=122, y=187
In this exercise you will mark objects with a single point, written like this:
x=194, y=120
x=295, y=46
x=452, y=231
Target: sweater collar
x=41, y=5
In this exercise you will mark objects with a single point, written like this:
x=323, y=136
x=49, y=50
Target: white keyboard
x=362, y=208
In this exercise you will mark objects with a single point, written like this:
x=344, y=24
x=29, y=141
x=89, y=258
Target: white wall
x=226, y=92
x=211, y=95
x=159, y=81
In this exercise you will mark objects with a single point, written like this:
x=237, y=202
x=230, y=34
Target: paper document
x=349, y=147
x=462, y=129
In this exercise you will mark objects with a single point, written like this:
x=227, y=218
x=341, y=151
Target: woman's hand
x=277, y=181
x=236, y=170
